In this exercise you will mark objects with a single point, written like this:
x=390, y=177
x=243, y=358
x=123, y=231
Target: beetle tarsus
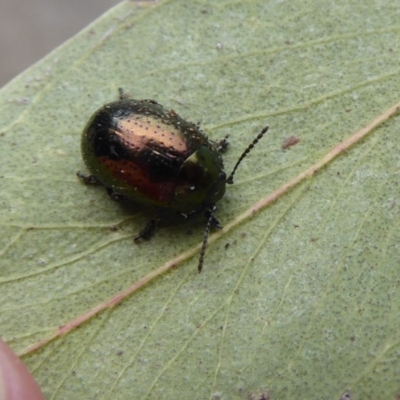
x=210, y=215
x=223, y=144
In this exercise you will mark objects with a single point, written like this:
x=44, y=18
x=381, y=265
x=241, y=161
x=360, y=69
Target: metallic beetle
x=144, y=153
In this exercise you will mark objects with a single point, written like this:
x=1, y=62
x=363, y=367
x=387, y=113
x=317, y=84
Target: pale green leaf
x=300, y=301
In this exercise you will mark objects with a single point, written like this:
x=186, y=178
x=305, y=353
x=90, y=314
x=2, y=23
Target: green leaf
x=301, y=300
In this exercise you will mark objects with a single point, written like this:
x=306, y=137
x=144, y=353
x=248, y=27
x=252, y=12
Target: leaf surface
x=301, y=300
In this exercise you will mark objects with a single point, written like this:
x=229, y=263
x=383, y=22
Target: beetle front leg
x=214, y=221
x=223, y=144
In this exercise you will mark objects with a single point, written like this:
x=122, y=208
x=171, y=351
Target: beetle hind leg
x=87, y=179
x=148, y=230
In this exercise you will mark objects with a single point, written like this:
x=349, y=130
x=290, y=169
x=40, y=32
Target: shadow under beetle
x=144, y=153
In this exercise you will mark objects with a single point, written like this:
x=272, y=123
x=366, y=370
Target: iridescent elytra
x=144, y=153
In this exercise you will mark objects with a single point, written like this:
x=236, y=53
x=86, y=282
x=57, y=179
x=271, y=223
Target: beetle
x=143, y=153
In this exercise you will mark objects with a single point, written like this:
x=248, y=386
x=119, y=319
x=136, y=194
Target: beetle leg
x=148, y=230
x=215, y=222
x=121, y=94
x=223, y=144
x=88, y=179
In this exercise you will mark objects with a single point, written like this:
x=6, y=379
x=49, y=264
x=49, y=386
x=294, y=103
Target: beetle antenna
x=247, y=151
x=211, y=221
